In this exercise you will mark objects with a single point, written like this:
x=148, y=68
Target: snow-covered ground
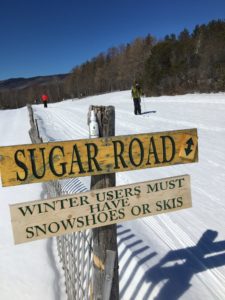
x=178, y=255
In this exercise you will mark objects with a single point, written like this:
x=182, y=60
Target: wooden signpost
x=24, y=164
x=52, y=217
x=102, y=157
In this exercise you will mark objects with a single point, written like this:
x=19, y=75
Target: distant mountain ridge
x=21, y=83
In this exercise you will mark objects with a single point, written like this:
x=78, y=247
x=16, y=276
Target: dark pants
x=45, y=104
x=137, y=106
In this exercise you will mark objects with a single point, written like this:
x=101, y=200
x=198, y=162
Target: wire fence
x=75, y=250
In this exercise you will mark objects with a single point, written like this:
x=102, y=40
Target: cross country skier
x=136, y=95
x=44, y=99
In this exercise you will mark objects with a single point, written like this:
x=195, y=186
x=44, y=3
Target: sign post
x=104, y=238
x=105, y=205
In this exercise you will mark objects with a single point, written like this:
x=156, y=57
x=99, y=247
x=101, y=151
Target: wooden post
x=104, y=238
x=109, y=272
x=33, y=132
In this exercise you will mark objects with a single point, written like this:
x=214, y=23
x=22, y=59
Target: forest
x=190, y=62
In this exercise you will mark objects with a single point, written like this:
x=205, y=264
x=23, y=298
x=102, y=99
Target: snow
x=177, y=255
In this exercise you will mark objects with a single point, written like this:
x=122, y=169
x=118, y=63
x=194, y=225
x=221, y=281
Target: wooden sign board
x=53, y=217
x=52, y=161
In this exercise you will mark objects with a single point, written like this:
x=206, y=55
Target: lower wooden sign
x=53, y=217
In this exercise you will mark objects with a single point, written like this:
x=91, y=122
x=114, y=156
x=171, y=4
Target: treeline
x=189, y=62
x=111, y=71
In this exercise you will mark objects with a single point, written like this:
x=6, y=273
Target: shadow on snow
x=176, y=268
x=148, y=112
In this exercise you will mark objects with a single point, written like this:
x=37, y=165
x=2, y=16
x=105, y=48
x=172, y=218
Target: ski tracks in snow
x=64, y=128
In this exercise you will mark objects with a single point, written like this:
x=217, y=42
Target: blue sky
x=45, y=37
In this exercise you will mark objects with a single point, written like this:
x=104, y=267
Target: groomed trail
x=178, y=255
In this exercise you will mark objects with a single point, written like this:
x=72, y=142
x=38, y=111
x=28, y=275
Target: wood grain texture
x=25, y=164
x=53, y=217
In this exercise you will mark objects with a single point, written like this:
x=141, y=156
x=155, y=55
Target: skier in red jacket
x=44, y=99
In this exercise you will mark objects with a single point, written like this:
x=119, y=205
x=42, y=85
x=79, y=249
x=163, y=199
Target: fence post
x=109, y=270
x=104, y=238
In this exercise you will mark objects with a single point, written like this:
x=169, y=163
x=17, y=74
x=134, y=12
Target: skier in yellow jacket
x=136, y=95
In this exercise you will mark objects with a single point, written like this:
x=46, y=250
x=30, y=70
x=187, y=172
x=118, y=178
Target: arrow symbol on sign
x=190, y=143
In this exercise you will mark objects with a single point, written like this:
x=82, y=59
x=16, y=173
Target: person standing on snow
x=44, y=99
x=136, y=95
